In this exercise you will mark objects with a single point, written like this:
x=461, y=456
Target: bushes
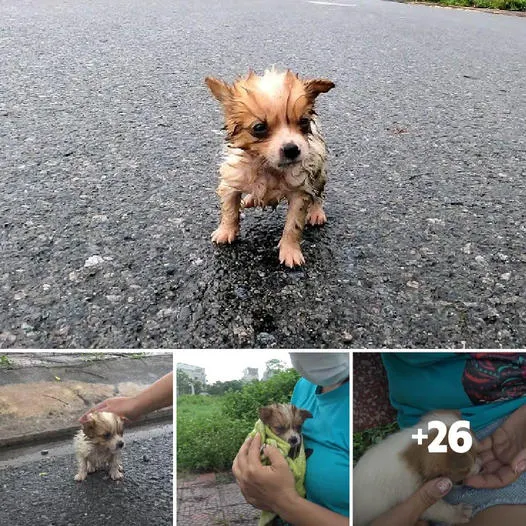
x=211, y=429
x=278, y=389
x=512, y=5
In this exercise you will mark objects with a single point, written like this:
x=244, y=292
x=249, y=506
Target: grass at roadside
x=211, y=429
x=207, y=439
x=508, y=5
x=363, y=440
x=5, y=362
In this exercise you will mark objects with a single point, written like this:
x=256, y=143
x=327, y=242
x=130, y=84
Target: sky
x=222, y=365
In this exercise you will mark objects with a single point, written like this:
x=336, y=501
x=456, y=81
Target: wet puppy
x=286, y=421
x=274, y=151
x=392, y=470
x=98, y=445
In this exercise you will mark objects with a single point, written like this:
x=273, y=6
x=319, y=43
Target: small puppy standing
x=392, y=470
x=98, y=445
x=275, y=151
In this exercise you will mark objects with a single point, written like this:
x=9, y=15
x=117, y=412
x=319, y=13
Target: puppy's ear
x=89, y=426
x=316, y=86
x=220, y=90
x=265, y=414
x=304, y=414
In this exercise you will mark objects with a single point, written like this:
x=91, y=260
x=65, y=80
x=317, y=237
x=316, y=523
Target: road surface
x=39, y=490
x=110, y=143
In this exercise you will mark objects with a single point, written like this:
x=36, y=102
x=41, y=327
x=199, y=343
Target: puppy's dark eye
x=280, y=430
x=107, y=436
x=304, y=124
x=260, y=130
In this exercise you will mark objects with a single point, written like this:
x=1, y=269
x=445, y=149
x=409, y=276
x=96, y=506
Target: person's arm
x=157, y=395
x=272, y=487
x=408, y=512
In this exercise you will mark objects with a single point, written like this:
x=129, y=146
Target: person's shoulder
x=303, y=390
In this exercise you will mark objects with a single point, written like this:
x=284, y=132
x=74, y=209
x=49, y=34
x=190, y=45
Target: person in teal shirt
x=326, y=434
x=489, y=389
x=483, y=386
x=324, y=391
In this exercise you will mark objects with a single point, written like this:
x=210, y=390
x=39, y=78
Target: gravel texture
x=110, y=144
x=43, y=492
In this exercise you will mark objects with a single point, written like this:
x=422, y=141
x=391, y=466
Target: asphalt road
x=110, y=144
x=38, y=490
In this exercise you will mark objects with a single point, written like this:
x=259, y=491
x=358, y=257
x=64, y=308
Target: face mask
x=321, y=368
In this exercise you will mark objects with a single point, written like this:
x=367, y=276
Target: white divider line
x=331, y=3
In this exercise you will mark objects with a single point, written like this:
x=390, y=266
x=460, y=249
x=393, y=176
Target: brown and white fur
x=286, y=421
x=274, y=151
x=98, y=445
x=392, y=470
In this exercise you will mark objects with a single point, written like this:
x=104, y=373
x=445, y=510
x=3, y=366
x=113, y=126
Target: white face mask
x=323, y=368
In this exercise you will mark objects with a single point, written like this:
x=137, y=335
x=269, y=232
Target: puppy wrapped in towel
x=279, y=425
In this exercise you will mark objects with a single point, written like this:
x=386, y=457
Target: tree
x=219, y=388
x=185, y=383
x=273, y=367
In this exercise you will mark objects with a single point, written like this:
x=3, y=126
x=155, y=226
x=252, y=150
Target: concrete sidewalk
x=42, y=395
x=212, y=498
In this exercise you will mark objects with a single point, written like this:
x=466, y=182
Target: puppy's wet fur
x=389, y=472
x=98, y=445
x=286, y=421
x=274, y=151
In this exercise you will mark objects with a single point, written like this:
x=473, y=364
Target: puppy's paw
x=224, y=234
x=79, y=477
x=248, y=202
x=316, y=215
x=290, y=255
x=116, y=475
x=91, y=468
x=463, y=513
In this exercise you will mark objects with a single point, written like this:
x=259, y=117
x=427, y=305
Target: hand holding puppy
x=503, y=454
x=408, y=512
x=263, y=486
x=156, y=396
x=123, y=406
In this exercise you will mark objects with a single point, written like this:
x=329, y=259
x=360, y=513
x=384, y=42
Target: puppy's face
x=104, y=430
x=285, y=420
x=456, y=466
x=270, y=116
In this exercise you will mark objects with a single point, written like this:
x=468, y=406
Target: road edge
x=33, y=439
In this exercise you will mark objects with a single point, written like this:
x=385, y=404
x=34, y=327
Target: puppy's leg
x=115, y=472
x=90, y=466
x=83, y=469
x=441, y=511
x=289, y=246
x=316, y=214
x=228, y=228
x=248, y=201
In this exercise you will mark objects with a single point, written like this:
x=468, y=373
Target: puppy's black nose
x=293, y=440
x=291, y=151
x=120, y=444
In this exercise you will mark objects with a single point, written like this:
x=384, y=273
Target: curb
x=67, y=432
x=506, y=12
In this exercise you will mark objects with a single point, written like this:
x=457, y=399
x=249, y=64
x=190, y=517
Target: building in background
x=193, y=371
x=250, y=373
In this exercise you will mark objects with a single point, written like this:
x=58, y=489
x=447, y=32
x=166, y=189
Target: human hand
x=408, y=512
x=503, y=454
x=263, y=486
x=123, y=406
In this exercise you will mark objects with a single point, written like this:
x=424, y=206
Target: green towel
x=298, y=465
